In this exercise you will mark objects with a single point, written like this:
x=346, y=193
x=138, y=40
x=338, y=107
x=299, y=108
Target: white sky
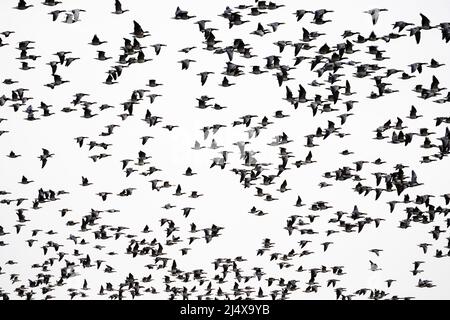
x=225, y=202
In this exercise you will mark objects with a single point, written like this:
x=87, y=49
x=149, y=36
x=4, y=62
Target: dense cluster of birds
x=61, y=255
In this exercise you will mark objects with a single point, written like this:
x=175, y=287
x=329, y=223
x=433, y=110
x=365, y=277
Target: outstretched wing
x=137, y=27
x=118, y=6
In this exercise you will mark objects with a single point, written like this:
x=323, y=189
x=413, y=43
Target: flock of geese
x=84, y=249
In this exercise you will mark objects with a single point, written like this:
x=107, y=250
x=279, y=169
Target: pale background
x=225, y=202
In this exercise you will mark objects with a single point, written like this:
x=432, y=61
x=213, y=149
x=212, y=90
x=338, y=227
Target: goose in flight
x=22, y=5
x=375, y=13
x=118, y=8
